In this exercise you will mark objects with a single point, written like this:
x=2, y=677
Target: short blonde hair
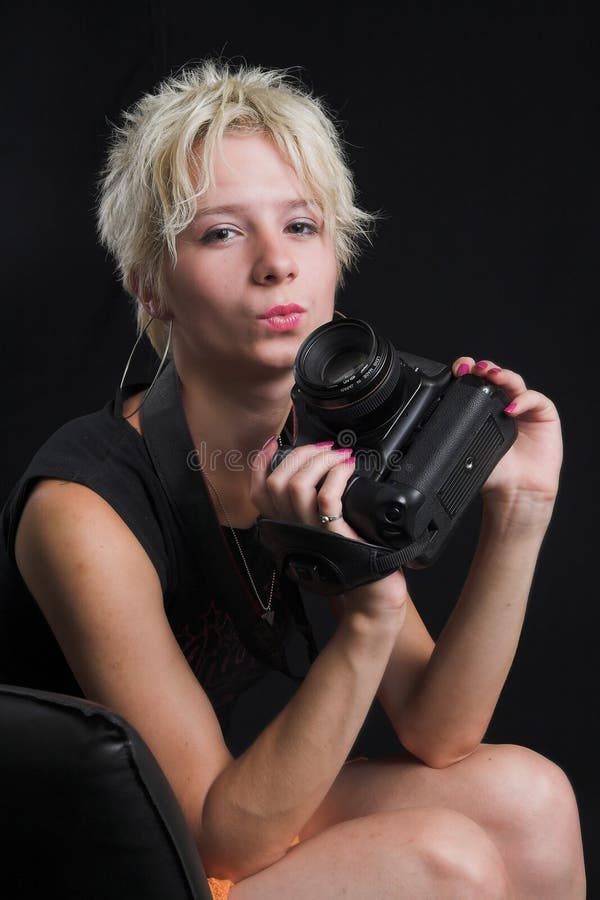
x=161, y=159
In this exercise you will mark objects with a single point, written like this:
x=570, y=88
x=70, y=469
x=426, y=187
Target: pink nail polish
x=509, y=408
x=324, y=444
x=481, y=365
x=343, y=450
x=462, y=369
x=349, y=462
x=494, y=371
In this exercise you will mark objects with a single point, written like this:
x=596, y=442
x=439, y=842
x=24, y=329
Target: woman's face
x=256, y=271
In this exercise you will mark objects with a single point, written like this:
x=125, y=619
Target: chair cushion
x=87, y=811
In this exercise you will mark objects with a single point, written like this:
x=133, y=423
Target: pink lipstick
x=283, y=318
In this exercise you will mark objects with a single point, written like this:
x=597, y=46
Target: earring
x=159, y=370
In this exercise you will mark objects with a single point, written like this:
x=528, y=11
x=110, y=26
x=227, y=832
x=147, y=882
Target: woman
x=230, y=211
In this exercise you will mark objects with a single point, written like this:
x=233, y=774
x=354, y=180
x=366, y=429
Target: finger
x=462, y=365
x=510, y=381
x=329, y=498
x=294, y=489
x=289, y=491
x=532, y=405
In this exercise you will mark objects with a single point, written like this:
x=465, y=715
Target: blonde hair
x=161, y=159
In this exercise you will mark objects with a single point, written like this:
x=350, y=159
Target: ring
x=326, y=519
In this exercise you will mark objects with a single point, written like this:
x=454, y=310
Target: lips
x=283, y=310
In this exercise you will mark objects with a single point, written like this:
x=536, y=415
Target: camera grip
x=451, y=458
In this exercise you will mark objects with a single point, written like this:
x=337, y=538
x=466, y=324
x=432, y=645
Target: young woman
x=230, y=211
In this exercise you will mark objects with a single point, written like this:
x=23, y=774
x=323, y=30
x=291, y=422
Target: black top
x=217, y=625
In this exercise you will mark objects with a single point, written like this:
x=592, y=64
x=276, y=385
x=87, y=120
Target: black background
x=473, y=127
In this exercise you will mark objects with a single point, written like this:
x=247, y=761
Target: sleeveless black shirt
x=104, y=452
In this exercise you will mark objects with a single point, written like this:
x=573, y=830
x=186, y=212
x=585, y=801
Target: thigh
x=415, y=854
x=477, y=786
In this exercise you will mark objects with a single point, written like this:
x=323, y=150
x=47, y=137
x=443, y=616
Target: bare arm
x=441, y=700
x=102, y=598
x=442, y=707
x=282, y=779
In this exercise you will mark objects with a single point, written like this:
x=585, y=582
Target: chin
x=280, y=358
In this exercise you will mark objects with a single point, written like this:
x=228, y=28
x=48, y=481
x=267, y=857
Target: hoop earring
x=158, y=371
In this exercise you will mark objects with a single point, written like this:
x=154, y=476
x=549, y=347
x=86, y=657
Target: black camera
x=424, y=440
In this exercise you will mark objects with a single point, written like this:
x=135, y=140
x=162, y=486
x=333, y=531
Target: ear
x=150, y=303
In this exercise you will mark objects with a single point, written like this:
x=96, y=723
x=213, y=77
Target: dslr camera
x=424, y=440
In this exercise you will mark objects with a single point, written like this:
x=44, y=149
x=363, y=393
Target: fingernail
x=324, y=444
x=268, y=441
x=481, y=364
x=343, y=450
x=349, y=462
x=494, y=371
x=510, y=407
x=462, y=369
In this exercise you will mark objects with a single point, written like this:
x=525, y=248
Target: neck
x=230, y=419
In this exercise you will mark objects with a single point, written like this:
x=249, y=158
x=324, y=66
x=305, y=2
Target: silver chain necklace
x=268, y=613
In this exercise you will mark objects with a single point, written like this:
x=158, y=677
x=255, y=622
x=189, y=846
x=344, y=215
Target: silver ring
x=326, y=519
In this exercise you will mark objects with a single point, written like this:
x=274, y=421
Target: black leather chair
x=87, y=812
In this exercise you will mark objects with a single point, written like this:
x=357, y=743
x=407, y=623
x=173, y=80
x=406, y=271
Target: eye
x=218, y=236
x=303, y=228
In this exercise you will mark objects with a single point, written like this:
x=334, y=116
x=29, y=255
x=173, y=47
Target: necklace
x=268, y=613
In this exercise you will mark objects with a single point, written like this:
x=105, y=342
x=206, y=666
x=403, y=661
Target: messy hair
x=161, y=159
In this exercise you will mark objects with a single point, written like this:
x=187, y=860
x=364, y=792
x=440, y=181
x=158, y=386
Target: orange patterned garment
x=220, y=887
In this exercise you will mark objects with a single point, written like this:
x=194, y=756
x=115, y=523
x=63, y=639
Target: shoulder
x=56, y=502
x=96, y=465
x=66, y=525
x=80, y=561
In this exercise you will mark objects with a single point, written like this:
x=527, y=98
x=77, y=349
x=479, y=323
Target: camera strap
x=327, y=563
x=171, y=449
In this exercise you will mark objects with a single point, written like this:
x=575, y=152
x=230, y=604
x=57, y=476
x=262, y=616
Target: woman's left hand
x=525, y=481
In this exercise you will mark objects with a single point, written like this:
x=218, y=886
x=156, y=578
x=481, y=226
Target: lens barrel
x=347, y=372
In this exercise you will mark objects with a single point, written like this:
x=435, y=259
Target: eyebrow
x=284, y=205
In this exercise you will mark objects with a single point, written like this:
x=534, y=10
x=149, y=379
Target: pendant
x=269, y=616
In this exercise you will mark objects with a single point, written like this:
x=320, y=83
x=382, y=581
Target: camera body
x=424, y=440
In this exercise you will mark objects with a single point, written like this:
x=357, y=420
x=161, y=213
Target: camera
x=424, y=440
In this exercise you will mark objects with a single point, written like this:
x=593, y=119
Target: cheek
x=209, y=283
x=318, y=264
x=330, y=267
x=329, y=276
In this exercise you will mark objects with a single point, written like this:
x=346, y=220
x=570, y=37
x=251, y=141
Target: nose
x=275, y=261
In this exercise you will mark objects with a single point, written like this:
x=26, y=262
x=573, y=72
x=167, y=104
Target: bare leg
x=416, y=854
x=523, y=802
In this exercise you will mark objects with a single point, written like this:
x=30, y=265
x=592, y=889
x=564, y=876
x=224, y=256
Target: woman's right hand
x=307, y=484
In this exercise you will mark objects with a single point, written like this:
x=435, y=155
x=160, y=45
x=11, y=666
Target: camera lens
x=334, y=356
x=349, y=373
x=343, y=366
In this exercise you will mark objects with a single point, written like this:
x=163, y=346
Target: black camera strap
x=328, y=563
x=171, y=450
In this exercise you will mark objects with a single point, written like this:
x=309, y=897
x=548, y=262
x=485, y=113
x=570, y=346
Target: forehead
x=254, y=164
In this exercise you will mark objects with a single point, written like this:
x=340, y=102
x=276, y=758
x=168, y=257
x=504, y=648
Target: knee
x=458, y=858
x=531, y=804
x=526, y=789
